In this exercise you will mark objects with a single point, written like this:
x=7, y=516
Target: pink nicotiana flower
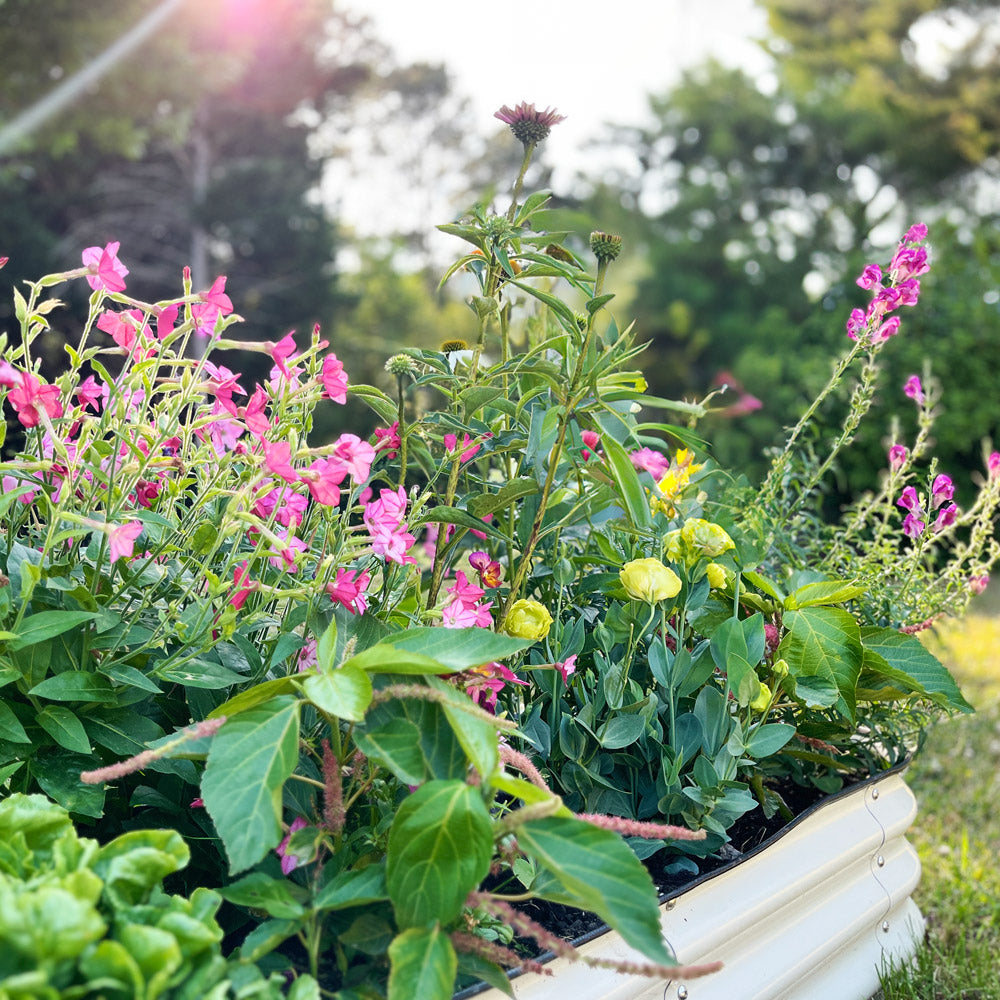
x=166, y=317
x=323, y=478
x=387, y=439
x=386, y=528
x=942, y=489
x=306, y=658
x=282, y=351
x=222, y=382
x=334, y=379
x=591, y=440
x=897, y=456
x=92, y=394
x=31, y=398
x=356, y=455
x=277, y=459
x=130, y=332
x=9, y=483
x=913, y=527
x=469, y=447
x=243, y=585
x=289, y=862
x=214, y=303
x=122, y=539
x=287, y=557
x=485, y=683
x=107, y=272
x=909, y=500
x=914, y=389
x=653, y=462
x=567, y=667
x=222, y=432
x=349, y=589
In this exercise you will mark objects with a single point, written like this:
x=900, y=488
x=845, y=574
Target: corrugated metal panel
x=813, y=917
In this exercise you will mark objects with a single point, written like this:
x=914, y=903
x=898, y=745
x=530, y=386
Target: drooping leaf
x=250, y=759
x=440, y=847
x=344, y=692
x=422, y=963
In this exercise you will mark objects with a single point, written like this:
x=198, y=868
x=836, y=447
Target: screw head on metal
x=874, y=793
x=885, y=925
x=682, y=993
x=880, y=861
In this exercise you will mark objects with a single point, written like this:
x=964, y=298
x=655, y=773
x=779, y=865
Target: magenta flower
x=489, y=570
x=528, y=125
x=591, y=439
x=214, y=303
x=567, y=667
x=977, y=584
x=166, y=316
x=388, y=438
x=469, y=447
x=909, y=500
x=653, y=462
x=914, y=389
x=243, y=584
x=942, y=489
x=334, y=379
x=306, y=659
x=909, y=262
x=897, y=456
x=356, y=455
x=31, y=398
x=946, y=517
x=92, y=394
x=122, y=538
x=993, y=464
x=287, y=557
x=289, y=862
x=888, y=329
x=869, y=277
x=277, y=458
x=916, y=233
x=349, y=589
x=857, y=323
x=323, y=478
x=913, y=527
x=107, y=272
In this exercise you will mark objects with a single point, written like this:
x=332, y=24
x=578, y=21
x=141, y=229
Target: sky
x=595, y=61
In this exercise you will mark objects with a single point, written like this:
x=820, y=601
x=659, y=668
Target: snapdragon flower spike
x=909, y=500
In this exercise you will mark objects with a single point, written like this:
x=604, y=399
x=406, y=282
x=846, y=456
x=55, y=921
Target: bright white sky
x=593, y=60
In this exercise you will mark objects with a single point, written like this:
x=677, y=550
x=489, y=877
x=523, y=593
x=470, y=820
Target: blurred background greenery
x=748, y=202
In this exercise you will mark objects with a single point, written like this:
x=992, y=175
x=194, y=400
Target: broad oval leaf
x=422, y=963
x=451, y=648
x=345, y=692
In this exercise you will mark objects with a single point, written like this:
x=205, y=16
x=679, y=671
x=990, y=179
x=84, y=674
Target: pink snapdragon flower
x=349, y=589
x=909, y=500
x=897, y=456
x=946, y=517
x=107, y=272
x=993, y=464
x=914, y=389
x=913, y=527
x=942, y=489
x=977, y=584
x=869, y=277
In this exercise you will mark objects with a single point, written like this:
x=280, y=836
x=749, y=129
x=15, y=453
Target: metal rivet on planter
x=671, y=903
x=682, y=992
x=880, y=861
x=885, y=925
x=874, y=793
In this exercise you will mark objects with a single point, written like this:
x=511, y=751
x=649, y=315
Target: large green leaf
x=64, y=727
x=344, y=692
x=440, y=847
x=276, y=897
x=478, y=738
x=10, y=726
x=414, y=739
x=825, y=643
x=45, y=625
x=75, y=685
x=626, y=477
x=454, y=648
x=249, y=761
x=907, y=654
x=823, y=592
x=600, y=873
x=422, y=963
x=58, y=774
x=353, y=887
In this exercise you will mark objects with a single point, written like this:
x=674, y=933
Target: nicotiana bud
x=649, y=580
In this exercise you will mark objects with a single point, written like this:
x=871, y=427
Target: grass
x=957, y=833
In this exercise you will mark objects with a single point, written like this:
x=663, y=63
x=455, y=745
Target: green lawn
x=957, y=833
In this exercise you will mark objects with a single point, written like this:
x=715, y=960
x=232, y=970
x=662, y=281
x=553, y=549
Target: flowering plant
x=354, y=672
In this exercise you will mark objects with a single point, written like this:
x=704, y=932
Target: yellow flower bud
x=705, y=537
x=528, y=620
x=649, y=580
x=763, y=698
x=673, y=546
x=716, y=575
x=780, y=668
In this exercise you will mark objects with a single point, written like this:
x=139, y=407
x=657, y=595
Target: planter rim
x=898, y=768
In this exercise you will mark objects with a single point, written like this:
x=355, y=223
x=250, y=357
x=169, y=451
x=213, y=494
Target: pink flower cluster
x=942, y=490
x=385, y=520
x=900, y=286
x=466, y=609
x=30, y=396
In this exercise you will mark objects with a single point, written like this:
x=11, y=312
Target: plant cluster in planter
x=387, y=690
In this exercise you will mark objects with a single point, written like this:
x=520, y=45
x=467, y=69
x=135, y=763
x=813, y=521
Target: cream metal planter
x=812, y=915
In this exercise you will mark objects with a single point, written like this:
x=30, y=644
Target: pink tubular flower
x=289, y=862
x=277, y=458
x=222, y=382
x=888, y=329
x=943, y=489
x=166, y=316
x=486, y=682
x=214, y=303
x=356, y=455
x=349, y=589
x=107, y=272
x=653, y=462
x=469, y=448
x=243, y=584
x=334, y=379
x=913, y=527
x=909, y=500
x=306, y=659
x=869, y=277
x=459, y=615
x=914, y=389
x=287, y=557
x=92, y=394
x=122, y=538
x=129, y=331
x=909, y=262
x=32, y=397
x=591, y=440
x=489, y=570
x=993, y=464
x=946, y=517
x=897, y=456
x=567, y=667
x=857, y=323
x=388, y=438
x=977, y=584
x=323, y=478
x=384, y=520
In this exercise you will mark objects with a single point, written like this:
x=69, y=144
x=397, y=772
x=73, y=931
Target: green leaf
x=488, y=503
x=255, y=696
x=556, y=304
x=907, y=654
x=627, y=478
x=345, y=692
x=262, y=892
x=10, y=726
x=46, y=624
x=826, y=592
x=440, y=848
x=477, y=736
x=203, y=674
x=458, y=648
x=456, y=516
x=75, y=685
x=136, y=861
x=250, y=759
x=64, y=727
x=621, y=731
x=769, y=739
x=824, y=643
x=470, y=964
x=58, y=775
x=600, y=873
x=354, y=887
x=422, y=963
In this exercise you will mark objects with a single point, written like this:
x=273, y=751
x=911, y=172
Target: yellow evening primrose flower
x=528, y=620
x=649, y=580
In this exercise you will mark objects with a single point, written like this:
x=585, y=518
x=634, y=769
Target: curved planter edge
x=813, y=914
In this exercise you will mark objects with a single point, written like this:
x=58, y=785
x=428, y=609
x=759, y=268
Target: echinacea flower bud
x=528, y=620
x=649, y=580
x=605, y=246
x=400, y=364
x=528, y=125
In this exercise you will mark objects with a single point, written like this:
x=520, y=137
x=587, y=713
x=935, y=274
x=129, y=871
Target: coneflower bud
x=400, y=364
x=605, y=246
